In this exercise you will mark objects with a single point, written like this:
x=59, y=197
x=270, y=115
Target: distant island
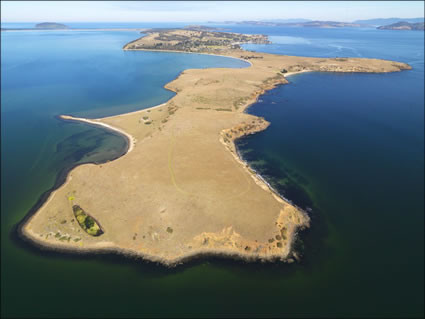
x=51, y=25
x=182, y=190
x=403, y=25
x=387, y=21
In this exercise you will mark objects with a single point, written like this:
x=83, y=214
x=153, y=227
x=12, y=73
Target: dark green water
x=348, y=146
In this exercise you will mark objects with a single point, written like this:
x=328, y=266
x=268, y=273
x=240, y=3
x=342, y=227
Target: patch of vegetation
x=296, y=68
x=86, y=222
x=249, y=57
x=169, y=230
x=148, y=122
x=203, y=108
x=279, y=244
x=172, y=108
x=200, y=99
x=278, y=237
x=221, y=109
x=271, y=240
x=63, y=221
x=240, y=101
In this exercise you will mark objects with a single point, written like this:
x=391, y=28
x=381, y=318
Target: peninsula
x=403, y=25
x=181, y=190
x=195, y=39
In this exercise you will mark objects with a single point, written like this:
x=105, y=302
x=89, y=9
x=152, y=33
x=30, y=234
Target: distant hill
x=387, y=21
x=51, y=25
x=403, y=25
x=326, y=24
x=197, y=27
x=287, y=20
x=308, y=24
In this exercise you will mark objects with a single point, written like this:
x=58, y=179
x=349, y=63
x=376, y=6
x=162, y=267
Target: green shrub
x=86, y=222
x=89, y=222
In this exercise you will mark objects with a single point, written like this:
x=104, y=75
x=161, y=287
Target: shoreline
x=63, y=177
x=130, y=138
x=17, y=234
x=259, y=180
x=203, y=53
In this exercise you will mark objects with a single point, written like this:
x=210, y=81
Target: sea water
x=348, y=146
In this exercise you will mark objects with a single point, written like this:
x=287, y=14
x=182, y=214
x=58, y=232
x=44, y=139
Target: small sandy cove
x=181, y=190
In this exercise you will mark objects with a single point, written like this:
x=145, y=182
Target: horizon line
x=261, y=20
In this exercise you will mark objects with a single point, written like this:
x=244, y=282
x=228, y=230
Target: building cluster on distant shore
x=193, y=40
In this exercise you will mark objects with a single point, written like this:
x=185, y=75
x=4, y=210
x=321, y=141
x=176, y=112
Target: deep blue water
x=350, y=146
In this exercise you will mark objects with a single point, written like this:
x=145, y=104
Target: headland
x=181, y=189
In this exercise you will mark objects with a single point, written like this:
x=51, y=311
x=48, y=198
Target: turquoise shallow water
x=348, y=146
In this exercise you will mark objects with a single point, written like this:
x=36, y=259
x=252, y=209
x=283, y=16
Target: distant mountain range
x=387, y=21
x=403, y=25
x=325, y=24
x=299, y=23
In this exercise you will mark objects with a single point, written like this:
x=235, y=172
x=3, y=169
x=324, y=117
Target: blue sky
x=201, y=11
